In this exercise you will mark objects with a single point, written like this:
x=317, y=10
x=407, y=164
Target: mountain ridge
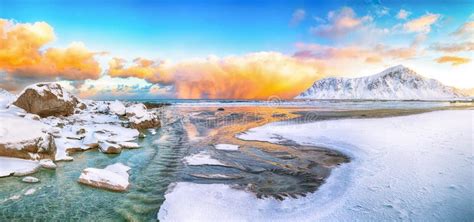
x=395, y=83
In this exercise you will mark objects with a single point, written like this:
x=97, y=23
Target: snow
x=228, y=147
x=5, y=98
x=100, y=129
x=47, y=163
x=17, y=167
x=13, y=134
x=117, y=108
x=416, y=167
x=113, y=177
x=138, y=113
x=395, y=83
x=52, y=87
x=202, y=158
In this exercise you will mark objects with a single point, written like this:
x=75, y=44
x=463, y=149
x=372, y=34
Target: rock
x=110, y=148
x=117, y=108
x=81, y=106
x=17, y=167
x=32, y=116
x=103, y=108
x=30, y=191
x=30, y=179
x=140, y=118
x=81, y=131
x=46, y=99
x=48, y=164
x=220, y=109
x=113, y=177
x=129, y=145
x=25, y=138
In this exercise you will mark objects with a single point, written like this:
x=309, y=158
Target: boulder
x=113, y=177
x=46, y=99
x=140, y=118
x=48, y=164
x=110, y=148
x=25, y=138
x=117, y=108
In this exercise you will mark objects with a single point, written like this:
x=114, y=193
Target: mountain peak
x=395, y=83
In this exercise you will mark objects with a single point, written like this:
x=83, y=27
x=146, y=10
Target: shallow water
x=280, y=171
x=60, y=197
x=257, y=167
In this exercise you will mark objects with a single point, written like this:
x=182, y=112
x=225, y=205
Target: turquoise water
x=60, y=198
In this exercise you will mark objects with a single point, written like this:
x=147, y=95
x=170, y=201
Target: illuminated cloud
x=298, y=16
x=340, y=23
x=251, y=76
x=453, y=47
x=23, y=53
x=421, y=24
x=403, y=14
x=466, y=30
x=364, y=53
x=454, y=60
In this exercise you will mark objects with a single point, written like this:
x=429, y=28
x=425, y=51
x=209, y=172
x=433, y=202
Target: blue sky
x=181, y=30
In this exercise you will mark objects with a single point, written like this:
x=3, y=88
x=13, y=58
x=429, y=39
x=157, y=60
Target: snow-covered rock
x=110, y=148
x=395, y=83
x=17, y=167
x=141, y=118
x=113, y=177
x=117, y=108
x=102, y=107
x=25, y=138
x=48, y=164
x=5, y=98
x=30, y=179
x=46, y=99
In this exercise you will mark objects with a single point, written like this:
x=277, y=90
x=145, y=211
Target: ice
x=416, y=167
x=9, y=166
x=228, y=147
x=202, y=158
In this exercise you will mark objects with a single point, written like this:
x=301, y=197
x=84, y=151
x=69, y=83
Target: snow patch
x=228, y=147
x=202, y=158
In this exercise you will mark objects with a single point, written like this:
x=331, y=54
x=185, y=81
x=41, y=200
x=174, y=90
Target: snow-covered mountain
x=395, y=83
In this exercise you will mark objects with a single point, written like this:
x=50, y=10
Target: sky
x=228, y=49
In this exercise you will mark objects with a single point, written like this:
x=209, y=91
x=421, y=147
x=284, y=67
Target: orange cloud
x=454, y=60
x=252, y=76
x=421, y=24
x=22, y=53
